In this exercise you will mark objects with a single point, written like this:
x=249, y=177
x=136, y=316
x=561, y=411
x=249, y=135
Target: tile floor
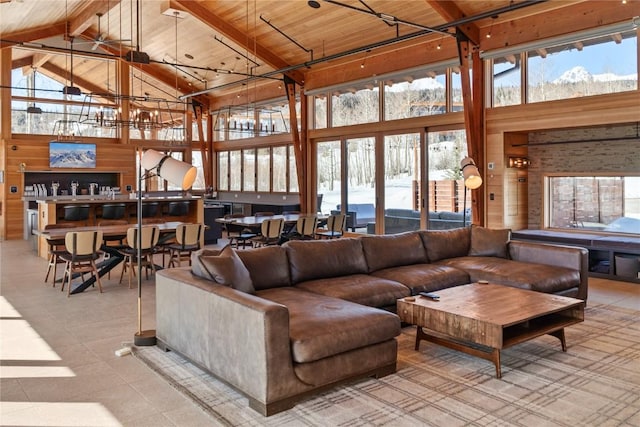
x=58, y=365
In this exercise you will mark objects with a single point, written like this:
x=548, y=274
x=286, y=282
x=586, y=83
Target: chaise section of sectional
x=279, y=344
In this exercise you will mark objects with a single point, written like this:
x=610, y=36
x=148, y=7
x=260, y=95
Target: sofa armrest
x=571, y=257
x=240, y=338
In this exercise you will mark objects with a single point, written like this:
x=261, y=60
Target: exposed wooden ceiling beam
x=40, y=58
x=451, y=12
x=36, y=33
x=22, y=62
x=215, y=22
x=87, y=15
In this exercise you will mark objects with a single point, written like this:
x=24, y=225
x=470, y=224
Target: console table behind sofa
x=610, y=257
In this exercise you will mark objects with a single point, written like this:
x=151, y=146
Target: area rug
x=595, y=383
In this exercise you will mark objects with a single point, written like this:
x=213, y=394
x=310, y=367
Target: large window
x=264, y=169
x=507, y=81
x=196, y=160
x=457, y=103
x=583, y=65
x=328, y=167
x=401, y=183
x=446, y=192
x=235, y=169
x=293, y=174
x=223, y=171
x=279, y=171
x=600, y=203
x=355, y=107
x=420, y=97
x=249, y=169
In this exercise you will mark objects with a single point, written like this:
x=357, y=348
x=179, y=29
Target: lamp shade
x=176, y=172
x=470, y=173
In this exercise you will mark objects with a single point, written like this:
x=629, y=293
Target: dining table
x=114, y=257
x=256, y=221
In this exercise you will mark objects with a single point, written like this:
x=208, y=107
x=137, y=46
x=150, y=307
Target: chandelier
x=253, y=120
x=145, y=113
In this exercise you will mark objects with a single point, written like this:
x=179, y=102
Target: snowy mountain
x=72, y=159
x=580, y=74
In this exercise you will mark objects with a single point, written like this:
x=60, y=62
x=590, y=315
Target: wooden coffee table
x=482, y=319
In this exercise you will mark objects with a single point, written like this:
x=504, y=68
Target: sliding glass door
x=361, y=183
x=402, y=183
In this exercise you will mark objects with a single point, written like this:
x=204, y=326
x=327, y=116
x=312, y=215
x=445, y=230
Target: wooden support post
x=206, y=159
x=297, y=146
x=472, y=100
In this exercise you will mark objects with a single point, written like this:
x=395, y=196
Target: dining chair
x=115, y=238
x=236, y=233
x=188, y=237
x=115, y=241
x=55, y=249
x=335, y=226
x=306, y=227
x=82, y=251
x=288, y=226
x=271, y=231
x=149, y=237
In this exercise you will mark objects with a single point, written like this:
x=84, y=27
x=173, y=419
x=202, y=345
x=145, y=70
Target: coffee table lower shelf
x=510, y=338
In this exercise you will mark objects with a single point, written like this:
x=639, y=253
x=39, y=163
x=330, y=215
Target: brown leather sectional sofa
x=281, y=322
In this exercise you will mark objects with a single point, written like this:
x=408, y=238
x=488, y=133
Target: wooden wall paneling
x=5, y=131
x=35, y=153
x=575, y=112
x=494, y=209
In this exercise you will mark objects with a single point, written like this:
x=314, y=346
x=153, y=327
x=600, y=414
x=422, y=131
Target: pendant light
x=33, y=109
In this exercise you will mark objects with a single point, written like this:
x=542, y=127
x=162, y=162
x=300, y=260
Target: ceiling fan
x=101, y=38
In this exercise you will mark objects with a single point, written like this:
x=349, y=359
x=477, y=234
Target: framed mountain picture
x=72, y=155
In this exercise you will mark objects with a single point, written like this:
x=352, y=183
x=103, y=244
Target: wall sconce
x=519, y=162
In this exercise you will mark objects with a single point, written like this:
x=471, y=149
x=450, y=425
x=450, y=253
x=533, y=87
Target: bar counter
x=51, y=210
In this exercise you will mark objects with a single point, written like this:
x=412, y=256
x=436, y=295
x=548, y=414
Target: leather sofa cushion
x=425, y=277
x=322, y=326
x=444, y=244
x=268, y=266
x=489, y=242
x=319, y=259
x=227, y=269
x=524, y=275
x=393, y=250
x=359, y=288
x=196, y=264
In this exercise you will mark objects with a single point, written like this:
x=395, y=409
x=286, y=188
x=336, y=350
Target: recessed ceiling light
x=188, y=56
x=314, y=4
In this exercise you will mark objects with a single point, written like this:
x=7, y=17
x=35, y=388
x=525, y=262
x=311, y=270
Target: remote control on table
x=430, y=295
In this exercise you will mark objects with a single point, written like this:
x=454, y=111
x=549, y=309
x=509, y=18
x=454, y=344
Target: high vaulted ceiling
x=229, y=49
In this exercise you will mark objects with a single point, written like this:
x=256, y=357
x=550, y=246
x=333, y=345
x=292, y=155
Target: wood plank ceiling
x=215, y=45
